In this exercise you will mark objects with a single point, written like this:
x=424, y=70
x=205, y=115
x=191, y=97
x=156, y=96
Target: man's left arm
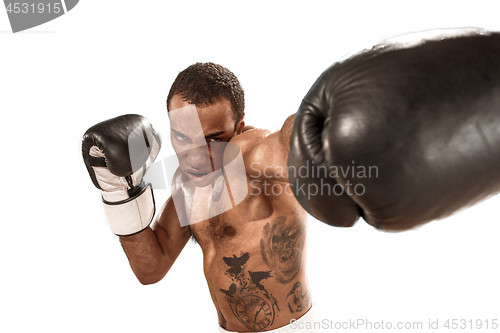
x=268, y=159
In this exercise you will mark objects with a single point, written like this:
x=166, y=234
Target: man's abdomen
x=256, y=271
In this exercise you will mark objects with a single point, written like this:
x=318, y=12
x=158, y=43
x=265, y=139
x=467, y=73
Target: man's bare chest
x=215, y=229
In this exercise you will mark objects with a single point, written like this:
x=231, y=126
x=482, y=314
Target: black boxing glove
x=117, y=154
x=400, y=134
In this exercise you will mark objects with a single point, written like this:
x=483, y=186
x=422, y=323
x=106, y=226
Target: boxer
x=400, y=135
x=254, y=253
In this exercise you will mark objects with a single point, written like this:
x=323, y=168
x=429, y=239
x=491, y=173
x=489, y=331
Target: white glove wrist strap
x=130, y=216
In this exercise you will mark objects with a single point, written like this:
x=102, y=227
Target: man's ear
x=240, y=126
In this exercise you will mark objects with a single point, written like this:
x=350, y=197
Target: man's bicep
x=268, y=159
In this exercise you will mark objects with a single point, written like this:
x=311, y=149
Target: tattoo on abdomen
x=248, y=298
x=281, y=248
x=298, y=299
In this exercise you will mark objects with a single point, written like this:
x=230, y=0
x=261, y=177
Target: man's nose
x=199, y=157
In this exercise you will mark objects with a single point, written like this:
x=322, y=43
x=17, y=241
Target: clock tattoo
x=254, y=312
x=248, y=297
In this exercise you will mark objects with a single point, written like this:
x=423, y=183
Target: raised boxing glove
x=117, y=153
x=400, y=135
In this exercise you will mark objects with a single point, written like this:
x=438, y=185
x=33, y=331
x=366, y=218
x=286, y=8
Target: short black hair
x=206, y=83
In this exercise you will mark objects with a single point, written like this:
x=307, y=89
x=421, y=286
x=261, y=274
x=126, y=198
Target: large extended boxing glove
x=400, y=135
x=117, y=153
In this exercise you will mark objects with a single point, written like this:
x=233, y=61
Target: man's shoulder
x=250, y=138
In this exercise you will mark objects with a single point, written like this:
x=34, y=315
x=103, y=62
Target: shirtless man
x=255, y=253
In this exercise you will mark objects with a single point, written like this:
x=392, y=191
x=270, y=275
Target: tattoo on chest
x=248, y=298
x=282, y=245
x=298, y=299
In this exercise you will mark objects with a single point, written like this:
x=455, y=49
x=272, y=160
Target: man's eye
x=214, y=140
x=180, y=137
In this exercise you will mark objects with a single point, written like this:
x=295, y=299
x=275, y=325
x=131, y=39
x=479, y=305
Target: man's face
x=199, y=135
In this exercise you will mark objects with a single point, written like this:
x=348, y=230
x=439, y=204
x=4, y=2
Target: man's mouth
x=197, y=175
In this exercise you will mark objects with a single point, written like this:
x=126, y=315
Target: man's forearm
x=146, y=257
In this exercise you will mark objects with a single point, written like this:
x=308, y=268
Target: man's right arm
x=117, y=153
x=152, y=252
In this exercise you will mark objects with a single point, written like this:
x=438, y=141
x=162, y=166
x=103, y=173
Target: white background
x=62, y=270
